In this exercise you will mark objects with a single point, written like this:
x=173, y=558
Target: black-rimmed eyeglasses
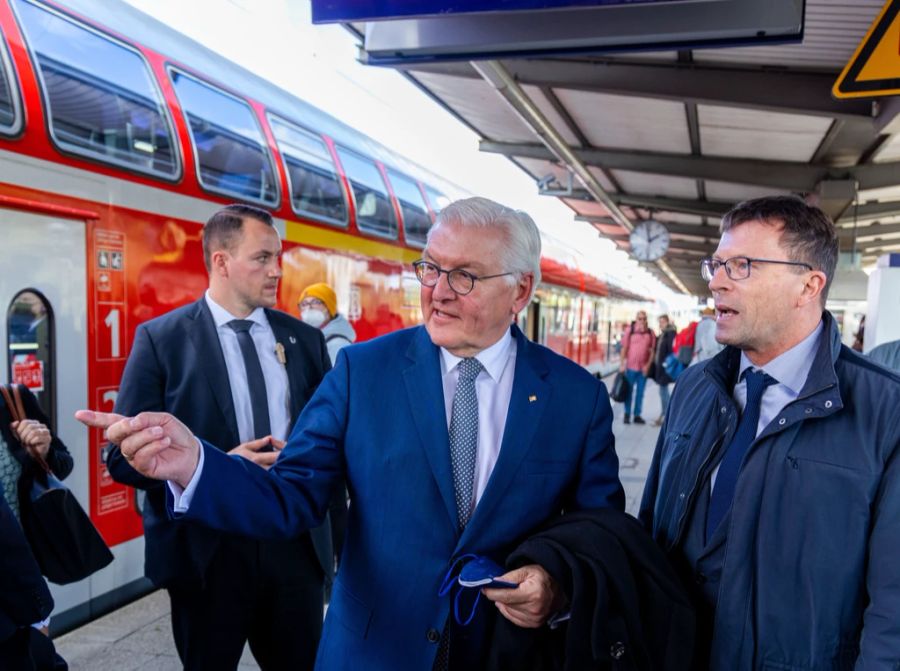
x=738, y=267
x=461, y=281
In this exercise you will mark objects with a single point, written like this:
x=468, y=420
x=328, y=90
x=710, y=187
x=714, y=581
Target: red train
x=113, y=151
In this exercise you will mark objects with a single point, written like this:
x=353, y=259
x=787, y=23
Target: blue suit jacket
x=379, y=418
x=176, y=365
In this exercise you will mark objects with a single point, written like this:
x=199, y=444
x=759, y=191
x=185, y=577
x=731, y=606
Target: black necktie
x=256, y=383
x=730, y=466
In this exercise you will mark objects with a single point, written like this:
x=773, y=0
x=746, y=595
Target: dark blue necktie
x=730, y=466
x=256, y=383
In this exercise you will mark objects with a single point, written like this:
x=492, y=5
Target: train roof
x=140, y=28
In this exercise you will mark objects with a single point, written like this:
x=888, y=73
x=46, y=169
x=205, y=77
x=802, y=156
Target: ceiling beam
x=692, y=230
x=674, y=244
x=869, y=245
x=788, y=175
x=781, y=90
x=702, y=208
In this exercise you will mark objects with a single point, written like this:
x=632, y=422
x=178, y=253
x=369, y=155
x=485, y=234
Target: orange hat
x=324, y=293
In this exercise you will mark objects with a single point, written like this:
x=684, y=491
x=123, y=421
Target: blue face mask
x=475, y=573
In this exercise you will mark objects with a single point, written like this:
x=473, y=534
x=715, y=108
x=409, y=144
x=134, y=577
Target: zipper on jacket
x=679, y=531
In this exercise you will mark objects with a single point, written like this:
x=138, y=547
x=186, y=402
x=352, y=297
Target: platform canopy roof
x=680, y=136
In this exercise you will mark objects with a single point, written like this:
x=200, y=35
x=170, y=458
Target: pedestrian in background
x=664, y=343
x=638, y=345
x=705, y=344
x=318, y=308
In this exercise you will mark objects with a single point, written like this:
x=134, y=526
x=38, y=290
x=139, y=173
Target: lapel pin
x=279, y=354
x=292, y=339
x=532, y=398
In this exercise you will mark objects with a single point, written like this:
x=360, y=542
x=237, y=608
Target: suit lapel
x=530, y=396
x=211, y=363
x=426, y=400
x=294, y=362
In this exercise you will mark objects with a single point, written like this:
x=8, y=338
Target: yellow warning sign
x=874, y=69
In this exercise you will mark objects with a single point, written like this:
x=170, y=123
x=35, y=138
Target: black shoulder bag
x=63, y=539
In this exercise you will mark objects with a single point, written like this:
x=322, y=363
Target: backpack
x=683, y=347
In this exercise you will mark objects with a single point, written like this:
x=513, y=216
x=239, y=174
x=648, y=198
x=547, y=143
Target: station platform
x=138, y=637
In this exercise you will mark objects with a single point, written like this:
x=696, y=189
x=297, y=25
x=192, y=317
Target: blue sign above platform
x=343, y=11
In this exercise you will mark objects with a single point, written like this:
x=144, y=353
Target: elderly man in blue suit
x=456, y=437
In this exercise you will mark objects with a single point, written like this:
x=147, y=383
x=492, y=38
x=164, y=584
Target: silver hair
x=522, y=253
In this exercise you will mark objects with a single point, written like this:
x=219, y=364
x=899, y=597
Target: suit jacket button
x=617, y=650
x=433, y=636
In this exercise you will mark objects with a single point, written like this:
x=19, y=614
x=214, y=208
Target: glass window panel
x=10, y=116
x=416, y=220
x=228, y=143
x=30, y=347
x=315, y=186
x=374, y=212
x=101, y=98
x=436, y=199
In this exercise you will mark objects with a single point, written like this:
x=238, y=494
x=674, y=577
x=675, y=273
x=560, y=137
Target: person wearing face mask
x=318, y=308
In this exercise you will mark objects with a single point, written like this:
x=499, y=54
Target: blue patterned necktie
x=744, y=435
x=464, y=438
x=256, y=382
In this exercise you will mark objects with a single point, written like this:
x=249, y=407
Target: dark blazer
x=58, y=458
x=379, y=418
x=176, y=365
x=24, y=595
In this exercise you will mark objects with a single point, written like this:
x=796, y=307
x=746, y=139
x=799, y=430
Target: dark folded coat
x=629, y=611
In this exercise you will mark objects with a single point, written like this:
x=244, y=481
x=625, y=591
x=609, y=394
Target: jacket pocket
x=349, y=611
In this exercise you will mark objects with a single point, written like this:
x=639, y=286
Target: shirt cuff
x=182, y=497
x=42, y=624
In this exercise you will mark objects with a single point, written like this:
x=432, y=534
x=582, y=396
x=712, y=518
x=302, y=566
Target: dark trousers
x=29, y=650
x=268, y=593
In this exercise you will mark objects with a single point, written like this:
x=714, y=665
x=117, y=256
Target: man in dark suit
x=456, y=437
x=239, y=372
x=24, y=600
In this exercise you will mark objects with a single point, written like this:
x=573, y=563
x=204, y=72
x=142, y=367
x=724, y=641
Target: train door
x=44, y=324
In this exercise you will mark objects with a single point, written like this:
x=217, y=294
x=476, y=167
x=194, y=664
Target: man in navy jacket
x=225, y=589
x=799, y=569
x=389, y=418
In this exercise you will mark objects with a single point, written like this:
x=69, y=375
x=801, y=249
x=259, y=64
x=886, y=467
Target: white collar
x=790, y=368
x=492, y=358
x=221, y=316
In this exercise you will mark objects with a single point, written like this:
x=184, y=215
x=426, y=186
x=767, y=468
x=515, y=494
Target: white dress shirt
x=274, y=373
x=493, y=387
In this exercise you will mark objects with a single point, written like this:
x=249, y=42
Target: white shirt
x=493, y=387
x=277, y=387
x=790, y=368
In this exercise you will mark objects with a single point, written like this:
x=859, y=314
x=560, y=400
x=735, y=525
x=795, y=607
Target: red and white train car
x=118, y=139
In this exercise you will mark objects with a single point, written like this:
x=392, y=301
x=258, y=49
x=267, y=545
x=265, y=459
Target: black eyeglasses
x=738, y=267
x=461, y=281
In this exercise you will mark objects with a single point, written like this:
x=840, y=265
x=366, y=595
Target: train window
x=232, y=158
x=102, y=101
x=30, y=347
x=10, y=107
x=416, y=220
x=315, y=188
x=436, y=199
x=374, y=212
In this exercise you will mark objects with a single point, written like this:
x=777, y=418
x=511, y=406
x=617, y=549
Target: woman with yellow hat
x=318, y=308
